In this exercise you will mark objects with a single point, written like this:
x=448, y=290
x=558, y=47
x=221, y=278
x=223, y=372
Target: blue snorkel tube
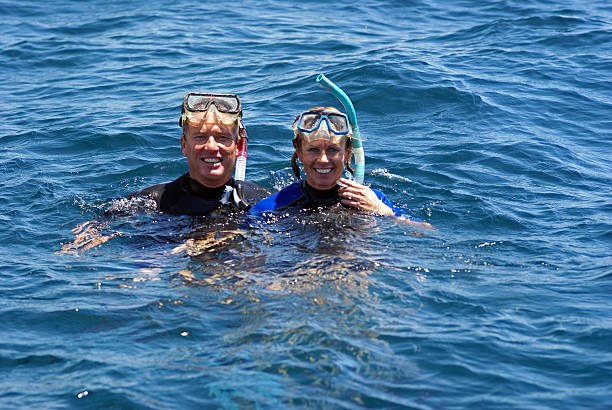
x=350, y=111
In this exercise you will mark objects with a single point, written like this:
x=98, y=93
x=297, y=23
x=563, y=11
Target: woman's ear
x=347, y=159
x=298, y=151
x=294, y=165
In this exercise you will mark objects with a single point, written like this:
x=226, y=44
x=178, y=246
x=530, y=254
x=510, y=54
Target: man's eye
x=223, y=139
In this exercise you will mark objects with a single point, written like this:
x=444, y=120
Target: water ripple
x=490, y=121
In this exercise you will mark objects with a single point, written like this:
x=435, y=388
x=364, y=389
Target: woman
x=322, y=142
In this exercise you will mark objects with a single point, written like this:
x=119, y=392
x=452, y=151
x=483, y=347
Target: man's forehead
x=210, y=129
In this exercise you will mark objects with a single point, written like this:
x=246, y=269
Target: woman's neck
x=320, y=194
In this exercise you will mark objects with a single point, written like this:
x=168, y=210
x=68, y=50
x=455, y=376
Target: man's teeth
x=322, y=170
x=212, y=160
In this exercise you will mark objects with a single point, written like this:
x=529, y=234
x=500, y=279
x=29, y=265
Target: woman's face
x=323, y=162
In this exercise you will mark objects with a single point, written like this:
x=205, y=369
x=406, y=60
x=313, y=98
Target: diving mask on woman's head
x=224, y=109
x=322, y=124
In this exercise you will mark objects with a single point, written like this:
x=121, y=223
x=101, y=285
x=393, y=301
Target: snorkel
x=240, y=170
x=241, y=157
x=350, y=111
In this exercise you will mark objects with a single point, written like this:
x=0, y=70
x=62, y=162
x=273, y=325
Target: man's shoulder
x=157, y=191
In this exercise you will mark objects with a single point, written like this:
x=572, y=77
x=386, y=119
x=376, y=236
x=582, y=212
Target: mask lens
x=201, y=102
x=338, y=123
x=226, y=104
x=309, y=121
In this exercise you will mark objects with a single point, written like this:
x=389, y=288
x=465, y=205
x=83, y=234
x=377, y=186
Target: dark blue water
x=490, y=120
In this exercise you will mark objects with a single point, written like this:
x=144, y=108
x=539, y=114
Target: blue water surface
x=490, y=120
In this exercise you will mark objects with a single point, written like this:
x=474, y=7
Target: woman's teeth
x=322, y=171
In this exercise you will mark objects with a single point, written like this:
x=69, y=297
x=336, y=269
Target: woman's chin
x=323, y=181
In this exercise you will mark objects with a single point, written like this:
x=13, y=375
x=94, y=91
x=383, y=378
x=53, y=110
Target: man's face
x=210, y=149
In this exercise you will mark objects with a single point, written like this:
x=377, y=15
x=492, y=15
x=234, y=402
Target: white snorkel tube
x=350, y=111
x=240, y=170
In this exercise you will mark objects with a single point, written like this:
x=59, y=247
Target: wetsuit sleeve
x=396, y=210
x=281, y=199
x=266, y=204
x=154, y=192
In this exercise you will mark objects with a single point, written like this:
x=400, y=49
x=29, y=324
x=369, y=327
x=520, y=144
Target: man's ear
x=183, y=144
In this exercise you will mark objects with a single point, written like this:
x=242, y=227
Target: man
x=212, y=128
x=212, y=134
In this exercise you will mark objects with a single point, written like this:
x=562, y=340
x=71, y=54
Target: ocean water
x=490, y=120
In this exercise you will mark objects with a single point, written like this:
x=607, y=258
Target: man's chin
x=216, y=170
x=215, y=178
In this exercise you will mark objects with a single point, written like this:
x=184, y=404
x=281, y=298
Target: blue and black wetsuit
x=302, y=196
x=186, y=196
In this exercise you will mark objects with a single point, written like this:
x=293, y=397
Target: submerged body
x=301, y=195
x=186, y=196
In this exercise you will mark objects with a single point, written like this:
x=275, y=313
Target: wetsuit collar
x=319, y=194
x=207, y=193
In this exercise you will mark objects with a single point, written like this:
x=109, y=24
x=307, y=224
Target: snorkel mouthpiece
x=350, y=111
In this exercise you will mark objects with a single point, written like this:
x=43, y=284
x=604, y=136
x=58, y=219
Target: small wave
x=384, y=172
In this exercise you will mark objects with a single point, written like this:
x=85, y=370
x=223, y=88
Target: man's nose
x=211, y=143
x=211, y=121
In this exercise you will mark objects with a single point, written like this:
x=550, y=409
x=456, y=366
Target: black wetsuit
x=186, y=196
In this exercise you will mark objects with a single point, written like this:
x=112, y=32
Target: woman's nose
x=323, y=130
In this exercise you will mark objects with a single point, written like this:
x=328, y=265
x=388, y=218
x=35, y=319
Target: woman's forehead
x=322, y=143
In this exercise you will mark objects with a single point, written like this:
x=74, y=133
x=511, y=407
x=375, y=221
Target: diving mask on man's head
x=322, y=124
x=225, y=110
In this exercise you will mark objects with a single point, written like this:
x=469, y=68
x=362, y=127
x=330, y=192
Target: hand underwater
x=362, y=197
